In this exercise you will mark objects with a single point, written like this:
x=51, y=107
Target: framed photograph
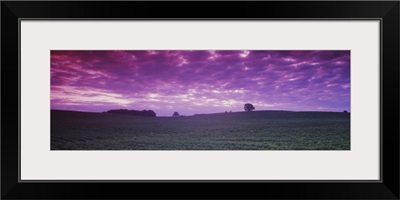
x=289, y=96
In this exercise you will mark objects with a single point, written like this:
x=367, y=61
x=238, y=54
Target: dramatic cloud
x=191, y=82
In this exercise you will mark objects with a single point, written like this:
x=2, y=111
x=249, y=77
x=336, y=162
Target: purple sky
x=200, y=81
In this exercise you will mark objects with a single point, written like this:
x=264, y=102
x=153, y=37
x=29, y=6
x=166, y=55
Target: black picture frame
x=386, y=11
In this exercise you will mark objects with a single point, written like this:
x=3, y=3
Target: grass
x=257, y=130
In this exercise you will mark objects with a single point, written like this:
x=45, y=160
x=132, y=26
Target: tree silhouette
x=248, y=107
x=176, y=114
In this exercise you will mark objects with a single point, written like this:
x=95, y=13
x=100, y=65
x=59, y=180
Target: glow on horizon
x=200, y=81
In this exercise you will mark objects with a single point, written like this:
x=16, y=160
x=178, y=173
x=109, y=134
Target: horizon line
x=209, y=113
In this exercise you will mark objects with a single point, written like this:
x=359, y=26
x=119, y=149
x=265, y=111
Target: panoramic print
x=200, y=100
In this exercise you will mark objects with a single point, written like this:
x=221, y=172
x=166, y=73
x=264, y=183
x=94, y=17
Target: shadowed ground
x=256, y=130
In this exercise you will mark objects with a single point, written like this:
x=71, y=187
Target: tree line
x=146, y=113
x=149, y=113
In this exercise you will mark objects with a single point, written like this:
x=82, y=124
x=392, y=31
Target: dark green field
x=256, y=130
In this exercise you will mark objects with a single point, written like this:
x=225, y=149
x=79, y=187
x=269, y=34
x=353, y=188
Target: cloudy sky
x=200, y=81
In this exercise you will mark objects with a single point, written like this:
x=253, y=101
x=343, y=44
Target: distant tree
x=148, y=113
x=345, y=111
x=176, y=114
x=248, y=107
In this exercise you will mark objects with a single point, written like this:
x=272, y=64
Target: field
x=256, y=130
